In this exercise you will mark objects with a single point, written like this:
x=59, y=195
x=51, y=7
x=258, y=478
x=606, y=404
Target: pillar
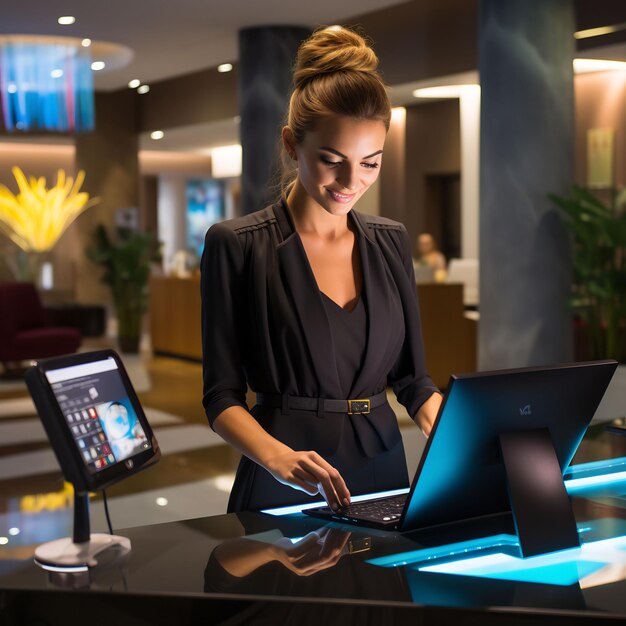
x=527, y=137
x=266, y=58
x=109, y=156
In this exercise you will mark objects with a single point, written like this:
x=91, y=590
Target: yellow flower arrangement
x=36, y=218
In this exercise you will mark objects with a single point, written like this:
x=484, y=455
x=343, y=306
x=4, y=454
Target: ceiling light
x=66, y=20
x=12, y=88
x=157, y=134
x=4, y=541
x=443, y=91
x=14, y=531
x=225, y=67
x=161, y=501
x=56, y=73
x=86, y=42
x=237, y=119
x=133, y=84
x=143, y=89
x=96, y=66
x=583, y=66
x=597, y=32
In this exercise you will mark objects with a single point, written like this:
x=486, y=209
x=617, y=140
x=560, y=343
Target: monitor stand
x=541, y=508
x=77, y=553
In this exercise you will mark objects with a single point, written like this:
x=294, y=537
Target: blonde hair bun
x=333, y=49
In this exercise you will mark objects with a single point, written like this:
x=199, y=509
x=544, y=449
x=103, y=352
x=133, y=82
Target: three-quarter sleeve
x=222, y=291
x=408, y=376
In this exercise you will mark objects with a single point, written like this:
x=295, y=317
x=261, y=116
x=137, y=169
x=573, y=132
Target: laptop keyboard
x=385, y=510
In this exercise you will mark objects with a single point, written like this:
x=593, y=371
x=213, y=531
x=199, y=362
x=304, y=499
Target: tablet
x=93, y=419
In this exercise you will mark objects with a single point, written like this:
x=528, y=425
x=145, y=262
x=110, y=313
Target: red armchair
x=24, y=334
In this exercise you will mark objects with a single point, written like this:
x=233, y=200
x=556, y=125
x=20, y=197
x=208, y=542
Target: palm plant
x=599, y=267
x=126, y=261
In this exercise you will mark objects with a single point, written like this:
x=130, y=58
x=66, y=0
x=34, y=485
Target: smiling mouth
x=340, y=197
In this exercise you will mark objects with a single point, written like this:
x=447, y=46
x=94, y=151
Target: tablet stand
x=541, y=508
x=78, y=552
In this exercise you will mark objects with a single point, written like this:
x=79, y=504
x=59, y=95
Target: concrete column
x=527, y=131
x=109, y=156
x=266, y=57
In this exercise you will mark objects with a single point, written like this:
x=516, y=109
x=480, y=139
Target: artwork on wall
x=600, y=151
x=205, y=207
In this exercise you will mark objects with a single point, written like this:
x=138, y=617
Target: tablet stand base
x=65, y=555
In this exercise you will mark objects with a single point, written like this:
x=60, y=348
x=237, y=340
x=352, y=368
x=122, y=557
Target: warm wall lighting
x=225, y=67
x=584, y=66
x=444, y=91
x=96, y=66
x=157, y=134
x=143, y=89
x=226, y=161
x=133, y=84
x=66, y=20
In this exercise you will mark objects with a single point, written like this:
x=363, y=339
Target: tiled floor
x=192, y=479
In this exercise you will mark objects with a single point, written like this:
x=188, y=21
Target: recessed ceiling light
x=237, y=119
x=133, y=84
x=143, y=89
x=161, y=501
x=4, y=541
x=157, y=134
x=56, y=73
x=225, y=67
x=66, y=20
x=12, y=88
x=96, y=66
x=14, y=531
x=86, y=42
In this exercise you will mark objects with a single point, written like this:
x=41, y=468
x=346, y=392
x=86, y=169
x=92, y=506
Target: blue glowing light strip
x=289, y=510
x=564, y=567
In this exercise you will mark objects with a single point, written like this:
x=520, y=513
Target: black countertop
x=260, y=568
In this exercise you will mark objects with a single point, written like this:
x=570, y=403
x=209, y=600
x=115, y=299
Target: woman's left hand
x=427, y=413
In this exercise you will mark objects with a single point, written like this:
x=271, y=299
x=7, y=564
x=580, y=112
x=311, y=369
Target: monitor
x=96, y=427
x=501, y=443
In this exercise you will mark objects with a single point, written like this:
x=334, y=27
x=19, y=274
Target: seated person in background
x=430, y=257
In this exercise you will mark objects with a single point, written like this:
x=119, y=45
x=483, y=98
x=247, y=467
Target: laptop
x=461, y=474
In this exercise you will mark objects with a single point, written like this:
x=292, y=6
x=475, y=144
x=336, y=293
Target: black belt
x=321, y=405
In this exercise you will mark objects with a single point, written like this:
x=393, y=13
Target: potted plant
x=126, y=260
x=599, y=281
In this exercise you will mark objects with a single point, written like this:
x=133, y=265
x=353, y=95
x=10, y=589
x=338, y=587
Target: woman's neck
x=312, y=219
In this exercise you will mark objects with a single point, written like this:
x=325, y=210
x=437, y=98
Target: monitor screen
x=93, y=418
x=98, y=412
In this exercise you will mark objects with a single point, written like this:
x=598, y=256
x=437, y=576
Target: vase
x=129, y=309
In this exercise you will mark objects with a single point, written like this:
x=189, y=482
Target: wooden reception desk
x=449, y=337
x=175, y=316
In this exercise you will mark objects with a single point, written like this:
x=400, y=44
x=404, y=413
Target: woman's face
x=338, y=160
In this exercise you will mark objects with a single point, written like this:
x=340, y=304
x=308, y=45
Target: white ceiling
x=171, y=37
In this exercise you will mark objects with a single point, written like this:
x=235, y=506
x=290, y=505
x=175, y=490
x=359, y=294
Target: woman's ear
x=289, y=142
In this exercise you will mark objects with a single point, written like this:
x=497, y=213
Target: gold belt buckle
x=361, y=405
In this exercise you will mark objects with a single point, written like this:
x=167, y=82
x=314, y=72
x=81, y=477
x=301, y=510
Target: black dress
x=266, y=326
x=372, y=474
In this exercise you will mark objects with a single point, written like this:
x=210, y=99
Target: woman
x=313, y=305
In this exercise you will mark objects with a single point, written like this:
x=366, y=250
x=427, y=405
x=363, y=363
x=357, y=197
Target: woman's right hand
x=309, y=472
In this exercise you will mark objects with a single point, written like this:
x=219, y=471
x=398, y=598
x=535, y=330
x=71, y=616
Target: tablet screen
x=98, y=412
